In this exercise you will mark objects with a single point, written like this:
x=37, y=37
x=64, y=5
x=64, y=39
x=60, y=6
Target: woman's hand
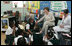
x=45, y=36
x=40, y=32
x=36, y=22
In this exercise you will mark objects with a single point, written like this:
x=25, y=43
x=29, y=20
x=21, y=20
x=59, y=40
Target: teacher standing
x=48, y=20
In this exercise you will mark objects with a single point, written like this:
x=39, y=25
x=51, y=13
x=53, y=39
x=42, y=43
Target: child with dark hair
x=47, y=38
x=37, y=37
x=21, y=41
x=21, y=34
x=28, y=31
x=10, y=33
x=27, y=27
x=32, y=24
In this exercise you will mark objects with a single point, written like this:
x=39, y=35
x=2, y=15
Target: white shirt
x=9, y=31
x=46, y=40
x=66, y=22
x=16, y=39
x=31, y=36
x=27, y=26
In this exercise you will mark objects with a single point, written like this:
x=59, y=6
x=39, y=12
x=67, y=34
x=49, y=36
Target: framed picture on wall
x=4, y=24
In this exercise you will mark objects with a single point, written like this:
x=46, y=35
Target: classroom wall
x=47, y=4
x=5, y=7
x=69, y=6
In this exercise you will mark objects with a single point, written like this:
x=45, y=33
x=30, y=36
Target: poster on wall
x=4, y=24
x=34, y=4
x=58, y=5
x=17, y=4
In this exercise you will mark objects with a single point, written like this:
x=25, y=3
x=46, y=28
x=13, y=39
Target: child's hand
x=31, y=33
x=40, y=32
x=13, y=28
x=28, y=33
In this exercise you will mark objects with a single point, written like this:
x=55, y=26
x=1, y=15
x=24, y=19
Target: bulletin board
x=58, y=5
x=48, y=4
x=34, y=4
x=44, y=4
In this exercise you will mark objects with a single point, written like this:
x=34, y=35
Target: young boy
x=28, y=31
x=32, y=24
x=47, y=37
x=27, y=27
x=21, y=41
x=10, y=33
x=20, y=35
x=37, y=37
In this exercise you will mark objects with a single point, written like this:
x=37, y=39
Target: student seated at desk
x=37, y=37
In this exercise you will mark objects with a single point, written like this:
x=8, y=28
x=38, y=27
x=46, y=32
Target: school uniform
x=37, y=39
x=47, y=41
x=27, y=26
x=32, y=26
x=9, y=36
x=16, y=39
x=9, y=31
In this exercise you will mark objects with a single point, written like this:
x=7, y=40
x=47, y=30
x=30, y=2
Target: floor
x=3, y=37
